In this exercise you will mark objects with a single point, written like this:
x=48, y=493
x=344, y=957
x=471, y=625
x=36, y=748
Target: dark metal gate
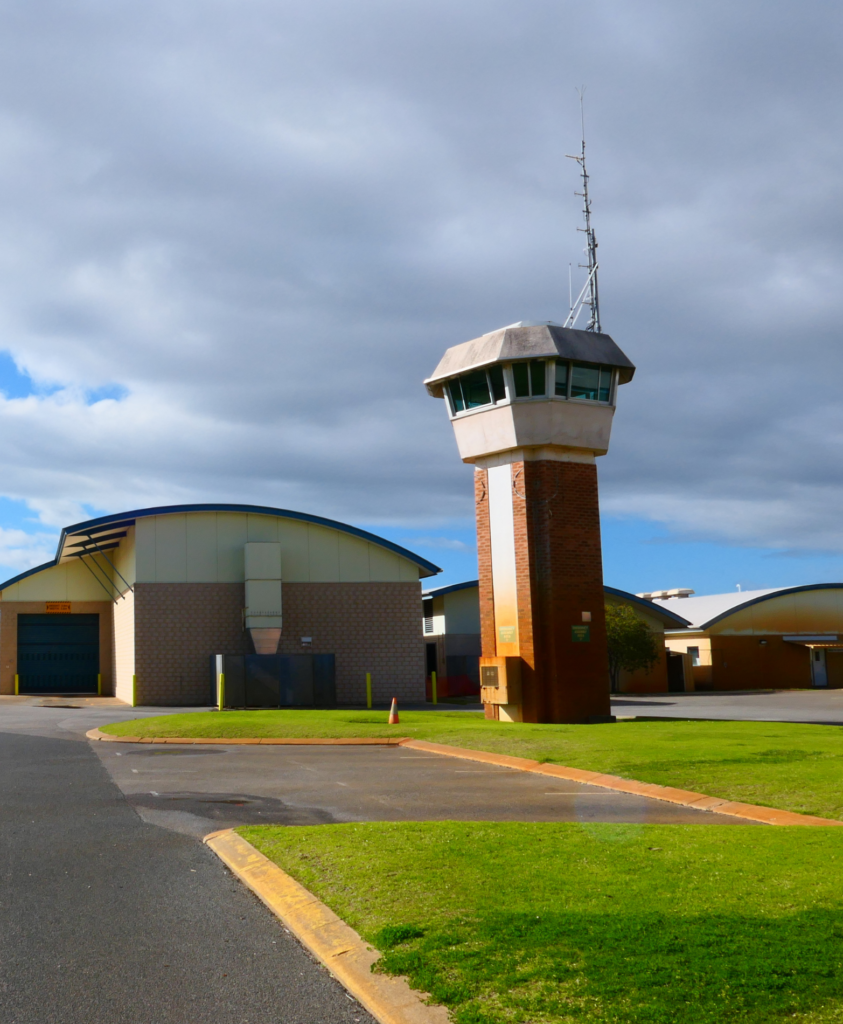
x=58, y=653
x=276, y=680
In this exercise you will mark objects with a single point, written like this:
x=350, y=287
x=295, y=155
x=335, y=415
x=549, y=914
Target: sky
x=236, y=236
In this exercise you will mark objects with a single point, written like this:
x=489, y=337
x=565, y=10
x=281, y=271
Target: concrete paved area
x=106, y=919
x=197, y=790
x=820, y=706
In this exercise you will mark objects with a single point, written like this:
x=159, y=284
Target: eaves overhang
x=441, y=591
x=654, y=609
x=530, y=341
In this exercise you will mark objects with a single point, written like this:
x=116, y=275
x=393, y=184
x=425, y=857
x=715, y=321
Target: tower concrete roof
x=526, y=340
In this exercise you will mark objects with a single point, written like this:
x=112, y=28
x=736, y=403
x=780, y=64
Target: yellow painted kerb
x=340, y=948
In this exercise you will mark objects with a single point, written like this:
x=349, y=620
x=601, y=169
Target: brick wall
x=177, y=627
x=559, y=576
x=369, y=627
x=558, y=547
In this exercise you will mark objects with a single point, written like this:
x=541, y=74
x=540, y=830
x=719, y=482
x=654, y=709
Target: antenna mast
x=589, y=295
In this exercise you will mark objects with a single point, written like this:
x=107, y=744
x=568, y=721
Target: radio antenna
x=589, y=296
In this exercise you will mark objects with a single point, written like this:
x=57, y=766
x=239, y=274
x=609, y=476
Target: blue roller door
x=58, y=653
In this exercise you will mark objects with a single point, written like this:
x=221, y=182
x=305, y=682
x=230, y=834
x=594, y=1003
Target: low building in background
x=451, y=629
x=790, y=638
x=136, y=605
x=659, y=678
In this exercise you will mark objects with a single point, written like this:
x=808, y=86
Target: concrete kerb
x=683, y=797
x=329, y=939
x=270, y=741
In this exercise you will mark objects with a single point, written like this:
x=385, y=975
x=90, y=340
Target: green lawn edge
x=789, y=766
x=506, y=922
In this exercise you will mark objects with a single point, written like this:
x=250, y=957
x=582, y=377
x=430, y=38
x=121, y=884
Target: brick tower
x=532, y=407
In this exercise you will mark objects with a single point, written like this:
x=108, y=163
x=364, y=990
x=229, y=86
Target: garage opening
x=58, y=653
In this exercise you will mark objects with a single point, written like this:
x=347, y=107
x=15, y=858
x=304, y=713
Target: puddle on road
x=227, y=810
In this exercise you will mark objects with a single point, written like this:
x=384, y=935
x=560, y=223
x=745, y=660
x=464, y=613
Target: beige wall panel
x=70, y=581
x=201, y=540
x=324, y=554
x=232, y=534
x=811, y=611
x=124, y=647
x=295, y=550
x=262, y=528
x=383, y=565
x=354, y=559
x=818, y=611
x=408, y=571
x=125, y=560
x=262, y=560
x=462, y=611
x=171, y=549
x=145, y=549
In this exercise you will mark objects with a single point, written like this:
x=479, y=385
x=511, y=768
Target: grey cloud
x=266, y=221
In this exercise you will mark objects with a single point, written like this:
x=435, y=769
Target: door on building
x=819, y=671
x=675, y=672
x=58, y=653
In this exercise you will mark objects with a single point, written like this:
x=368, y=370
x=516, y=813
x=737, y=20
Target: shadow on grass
x=625, y=969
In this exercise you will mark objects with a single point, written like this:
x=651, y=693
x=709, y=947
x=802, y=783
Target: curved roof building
x=136, y=603
x=785, y=638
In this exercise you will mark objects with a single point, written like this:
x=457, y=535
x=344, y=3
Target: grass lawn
x=606, y=924
x=794, y=767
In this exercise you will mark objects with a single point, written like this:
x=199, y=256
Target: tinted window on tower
x=585, y=382
x=521, y=376
x=475, y=389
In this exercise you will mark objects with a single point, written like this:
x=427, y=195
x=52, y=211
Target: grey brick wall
x=369, y=627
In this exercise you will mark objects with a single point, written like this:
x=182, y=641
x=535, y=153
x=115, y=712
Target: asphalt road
x=113, y=912
x=106, y=919
x=823, y=707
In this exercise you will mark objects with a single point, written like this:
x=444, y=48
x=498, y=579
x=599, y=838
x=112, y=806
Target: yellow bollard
x=221, y=694
x=369, y=690
x=433, y=687
x=17, y=685
x=99, y=685
x=134, y=691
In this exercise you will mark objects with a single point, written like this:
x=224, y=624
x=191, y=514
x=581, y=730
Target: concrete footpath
x=107, y=919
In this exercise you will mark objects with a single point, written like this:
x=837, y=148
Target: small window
x=561, y=380
x=605, y=384
x=538, y=378
x=472, y=390
x=593, y=383
x=427, y=614
x=475, y=389
x=456, y=395
x=585, y=382
x=529, y=378
x=521, y=376
x=496, y=380
x=695, y=655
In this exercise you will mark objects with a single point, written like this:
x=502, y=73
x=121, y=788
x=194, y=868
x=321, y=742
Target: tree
x=632, y=644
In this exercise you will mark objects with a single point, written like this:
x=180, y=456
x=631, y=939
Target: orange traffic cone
x=393, y=712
